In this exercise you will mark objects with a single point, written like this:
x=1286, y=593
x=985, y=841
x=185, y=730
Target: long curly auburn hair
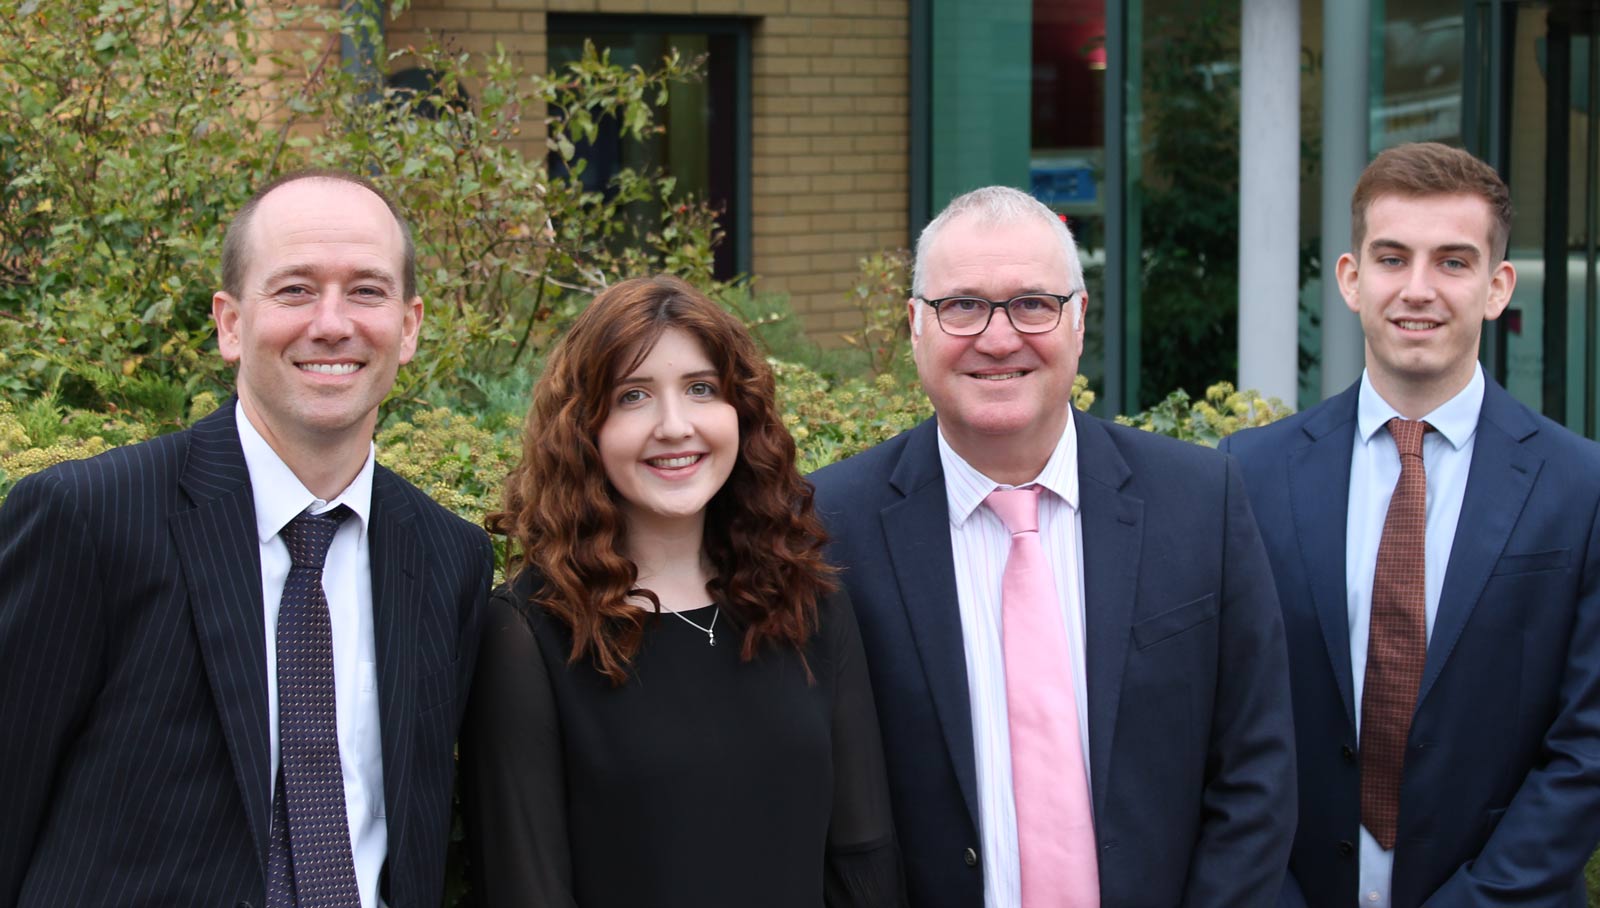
x=762, y=538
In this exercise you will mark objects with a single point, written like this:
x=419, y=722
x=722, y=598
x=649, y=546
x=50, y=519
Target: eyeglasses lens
x=1028, y=313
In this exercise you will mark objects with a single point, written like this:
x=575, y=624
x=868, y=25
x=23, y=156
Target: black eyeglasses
x=1031, y=313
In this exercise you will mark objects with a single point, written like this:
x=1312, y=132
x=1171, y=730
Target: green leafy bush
x=130, y=130
x=1592, y=875
x=1222, y=412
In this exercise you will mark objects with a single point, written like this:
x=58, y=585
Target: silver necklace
x=711, y=631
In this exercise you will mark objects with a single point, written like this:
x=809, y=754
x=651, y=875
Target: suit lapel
x=397, y=567
x=1112, y=535
x=1319, y=490
x=1498, y=482
x=917, y=532
x=221, y=559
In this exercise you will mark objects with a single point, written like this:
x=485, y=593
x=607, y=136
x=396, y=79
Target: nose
x=1419, y=284
x=1001, y=338
x=330, y=320
x=673, y=419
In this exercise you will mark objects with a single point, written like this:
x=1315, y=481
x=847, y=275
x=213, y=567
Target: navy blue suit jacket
x=1500, y=797
x=1191, y=753
x=134, y=766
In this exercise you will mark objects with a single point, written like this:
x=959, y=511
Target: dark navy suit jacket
x=134, y=764
x=1500, y=798
x=1191, y=756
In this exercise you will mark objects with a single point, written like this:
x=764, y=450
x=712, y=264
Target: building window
x=706, y=144
x=1067, y=142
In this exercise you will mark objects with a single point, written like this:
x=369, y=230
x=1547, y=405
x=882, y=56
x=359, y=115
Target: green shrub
x=42, y=433
x=130, y=130
x=459, y=461
x=832, y=420
x=1592, y=875
x=1222, y=412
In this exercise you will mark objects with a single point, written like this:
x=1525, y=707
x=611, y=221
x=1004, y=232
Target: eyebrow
x=305, y=271
x=974, y=294
x=637, y=379
x=1465, y=250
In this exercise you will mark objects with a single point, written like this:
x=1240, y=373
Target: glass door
x=1544, y=135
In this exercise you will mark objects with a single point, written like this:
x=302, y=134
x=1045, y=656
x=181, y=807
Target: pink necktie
x=1055, y=825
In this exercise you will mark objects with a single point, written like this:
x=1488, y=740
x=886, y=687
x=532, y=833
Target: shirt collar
x=1455, y=420
x=280, y=496
x=966, y=488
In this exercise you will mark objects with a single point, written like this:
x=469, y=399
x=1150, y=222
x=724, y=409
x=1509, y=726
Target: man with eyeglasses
x=1071, y=626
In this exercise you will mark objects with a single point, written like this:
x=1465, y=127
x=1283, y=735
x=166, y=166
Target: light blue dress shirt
x=1374, y=470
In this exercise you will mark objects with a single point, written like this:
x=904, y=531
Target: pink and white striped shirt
x=979, y=544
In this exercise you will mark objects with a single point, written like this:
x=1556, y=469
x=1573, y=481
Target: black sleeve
x=863, y=862
x=512, y=772
x=52, y=649
x=472, y=610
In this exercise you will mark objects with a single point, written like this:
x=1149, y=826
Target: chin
x=1005, y=422
x=667, y=513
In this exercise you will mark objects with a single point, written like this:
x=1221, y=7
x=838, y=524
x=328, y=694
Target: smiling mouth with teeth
x=1415, y=326
x=998, y=376
x=672, y=463
x=330, y=368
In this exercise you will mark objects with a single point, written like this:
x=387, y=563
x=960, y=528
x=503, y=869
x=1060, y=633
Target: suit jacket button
x=1348, y=752
x=1345, y=848
x=971, y=857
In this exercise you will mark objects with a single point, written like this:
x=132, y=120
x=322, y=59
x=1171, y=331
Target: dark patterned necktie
x=1397, y=643
x=309, y=864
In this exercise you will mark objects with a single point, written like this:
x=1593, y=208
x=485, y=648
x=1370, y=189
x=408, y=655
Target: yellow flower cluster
x=1222, y=412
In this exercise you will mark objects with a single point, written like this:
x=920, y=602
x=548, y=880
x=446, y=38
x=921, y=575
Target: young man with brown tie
x=1436, y=547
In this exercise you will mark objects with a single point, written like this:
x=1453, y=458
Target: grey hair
x=995, y=206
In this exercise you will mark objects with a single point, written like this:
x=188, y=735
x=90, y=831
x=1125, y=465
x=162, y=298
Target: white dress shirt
x=347, y=582
x=1374, y=470
x=980, y=545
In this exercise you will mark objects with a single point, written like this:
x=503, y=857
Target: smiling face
x=1423, y=285
x=671, y=437
x=1002, y=397
x=321, y=326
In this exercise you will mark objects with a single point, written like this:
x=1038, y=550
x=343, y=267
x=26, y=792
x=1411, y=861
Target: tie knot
x=1408, y=435
x=1018, y=509
x=308, y=536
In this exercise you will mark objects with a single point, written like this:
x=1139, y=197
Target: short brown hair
x=235, y=243
x=1429, y=168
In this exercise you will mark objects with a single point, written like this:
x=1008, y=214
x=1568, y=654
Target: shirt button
x=971, y=857
x=1372, y=896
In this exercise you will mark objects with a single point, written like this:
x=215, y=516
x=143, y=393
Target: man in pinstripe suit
x=140, y=660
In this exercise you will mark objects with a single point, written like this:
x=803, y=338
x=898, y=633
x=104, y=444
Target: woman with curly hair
x=671, y=705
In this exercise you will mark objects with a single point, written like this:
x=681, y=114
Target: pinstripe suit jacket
x=134, y=765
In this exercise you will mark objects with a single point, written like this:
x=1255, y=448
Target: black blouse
x=702, y=781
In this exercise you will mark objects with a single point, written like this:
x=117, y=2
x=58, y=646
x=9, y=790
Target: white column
x=1345, y=28
x=1269, y=198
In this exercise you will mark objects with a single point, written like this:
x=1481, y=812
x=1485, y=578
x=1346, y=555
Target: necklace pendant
x=711, y=639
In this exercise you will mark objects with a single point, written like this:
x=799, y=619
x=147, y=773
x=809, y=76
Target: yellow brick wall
x=830, y=121
x=309, y=48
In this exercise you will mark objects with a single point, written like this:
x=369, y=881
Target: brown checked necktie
x=1397, y=647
